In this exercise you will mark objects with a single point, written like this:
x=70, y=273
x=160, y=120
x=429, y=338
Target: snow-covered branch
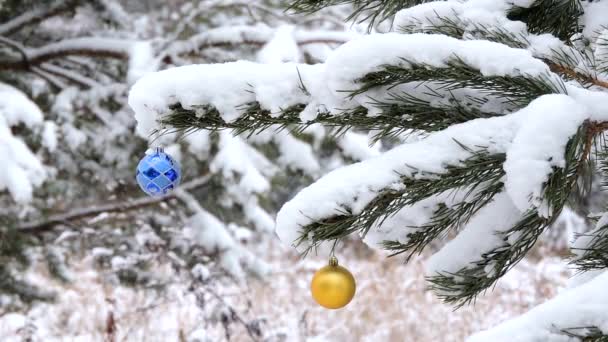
x=21, y=170
x=35, y=16
x=86, y=46
x=579, y=309
x=334, y=87
x=255, y=35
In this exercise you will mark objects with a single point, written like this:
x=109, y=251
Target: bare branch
x=47, y=224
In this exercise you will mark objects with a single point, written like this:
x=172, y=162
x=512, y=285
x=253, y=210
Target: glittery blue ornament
x=157, y=173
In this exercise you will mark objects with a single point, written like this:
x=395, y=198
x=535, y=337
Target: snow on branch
x=489, y=21
x=35, y=15
x=213, y=236
x=536, y=16
x=86, y=46
x=577, y=312
x=21, y=170
x=139, y=53
x=242, y=95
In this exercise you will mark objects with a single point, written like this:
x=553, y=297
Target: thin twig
x=577, y=75
x=251, y=334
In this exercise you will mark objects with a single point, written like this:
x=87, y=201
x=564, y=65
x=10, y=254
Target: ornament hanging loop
x=159, y=150
x=333, y=261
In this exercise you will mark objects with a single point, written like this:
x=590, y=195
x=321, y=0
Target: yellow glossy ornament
x=333, y=286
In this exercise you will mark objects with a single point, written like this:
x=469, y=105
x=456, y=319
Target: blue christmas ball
x=157, y=173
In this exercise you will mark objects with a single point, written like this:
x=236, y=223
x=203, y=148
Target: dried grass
x=391, y=304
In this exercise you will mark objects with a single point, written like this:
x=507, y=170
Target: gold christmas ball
x=333, y=286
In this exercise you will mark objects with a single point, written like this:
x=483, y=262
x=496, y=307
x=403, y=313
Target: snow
x=404, y=222
x=199, y=144
x=17, y=108
x=21, y=170
x=296, y=154
x=594, y=19
x=539, y=147
x=207, y=231
x=479, y=236
x=357, y=146
x=239, y=162
x=117, y=46
x=473, y=16
x=281, y=48
x=49, y=136
x=583, y=306
x=141, y=61
x=491, y=59
x=428, y=16
x=273, y=86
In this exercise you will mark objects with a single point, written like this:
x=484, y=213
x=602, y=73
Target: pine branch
x=374, y=11
x=595, y=254
x=454, y=26
x=586, y=334
x=602, y=46
x=517, y=90
x=462, y=287
x=399, y=113
x=480, y=177
x=566, y=62
x=583, y=78
x=435, y=112
x=448, y=26
x=559, y=17
x=482, y=172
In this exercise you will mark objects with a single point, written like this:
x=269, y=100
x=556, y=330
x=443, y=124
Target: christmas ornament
x=158, y=173
x=333, y=286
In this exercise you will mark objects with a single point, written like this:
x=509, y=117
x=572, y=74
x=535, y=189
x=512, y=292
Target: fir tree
x=501, y=109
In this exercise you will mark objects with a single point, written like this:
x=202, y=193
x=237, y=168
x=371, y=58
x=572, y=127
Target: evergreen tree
x=500, y=108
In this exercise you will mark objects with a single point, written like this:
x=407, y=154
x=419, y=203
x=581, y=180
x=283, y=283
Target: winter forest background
x=86, y=256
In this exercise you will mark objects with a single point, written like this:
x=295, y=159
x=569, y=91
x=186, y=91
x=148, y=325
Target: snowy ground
x=391, y=305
